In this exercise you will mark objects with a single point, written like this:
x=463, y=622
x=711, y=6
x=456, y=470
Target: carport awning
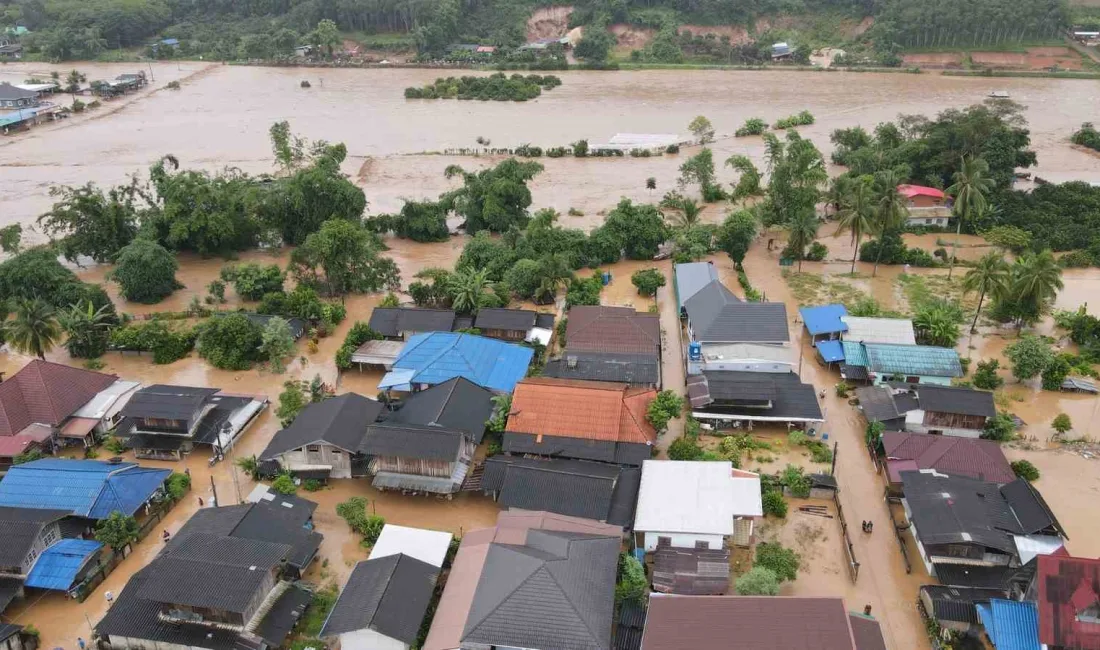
x=400, y=379
x=60, y=564
x=830, y=351
x=78, y=427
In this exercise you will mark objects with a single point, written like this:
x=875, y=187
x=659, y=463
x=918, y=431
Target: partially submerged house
x=384, y=602
x=1068, y=601
x=209, y=591
x=437, y=357
x=757, y=623
x=724, y=396
x=690, y=504
x=13, y=98
x=46, y=404
x=978, y=459
x=956, y=608
x=1010, y=624
x=164, y=422
x=613, y=344
x=584, y=420
x=928, y=206
x=726, y=333
x=912, y=364
x=959, y=520
x=537, y=581
x=28, y=532
x=515, y=324
x=928, y=408
x=824, y=322
x=323, y=441
x=400, y=323
x=578, y=488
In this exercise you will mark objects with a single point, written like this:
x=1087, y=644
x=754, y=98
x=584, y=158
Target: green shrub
x=774, y=504
x=783, y=561
x=1001, y=427
x=758, y=581
x=1025, y=470
x=632, y=585
x=752, y=126
x=797, y=438
x=177, y=485
x=801, y=119
x=284, y=484
x=685, y=448
x=1061, y=423
x=986, y=377
x=359, y=334
x=114, y=445
x=647, y=281
x=795, y=480
x=230, y=342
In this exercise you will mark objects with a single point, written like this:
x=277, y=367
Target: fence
x=853, y=564
x=897, y=530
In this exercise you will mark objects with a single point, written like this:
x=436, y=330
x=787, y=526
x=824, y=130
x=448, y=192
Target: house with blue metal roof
x=63, y=564
x=824, y=321
x=1010, y=624
x=89, y=489
x=435, y=357
x=912, y=364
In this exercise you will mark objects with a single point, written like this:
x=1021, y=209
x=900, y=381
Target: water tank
x=606, y=276
x=695, y=351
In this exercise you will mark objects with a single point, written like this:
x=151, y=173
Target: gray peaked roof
x=455, y=404
x=633, y=369
x=340, y=421
x=168, y=402
x=692, y=277
x=505, y=319
x=555, y=591
x=392, y=321
x=19, y=528
x=389, y=595
x=718, y=316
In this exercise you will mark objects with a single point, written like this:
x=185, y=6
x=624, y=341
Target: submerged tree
x=34, y=328
x=989, y=277
x=492, y=199
x=972, y=183
x=857, y=213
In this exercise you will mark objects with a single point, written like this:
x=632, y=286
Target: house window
x=939, y=222
x=700, y=544
x=336, y=452
x=49, y=536
x=664, y=541
x=958, y=550
x=313, y=449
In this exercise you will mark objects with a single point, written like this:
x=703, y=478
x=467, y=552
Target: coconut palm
x=687, y=213
x=990, y=277
x=972, y=183
x=87, y=329
x=1036, y=281
x=856, y=214
x=891, y=208
x=803, y=232
x=839, y=188
x=34, y=328
x=468, y=288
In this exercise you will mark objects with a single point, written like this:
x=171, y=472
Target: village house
x=28, y=532
x=723, y=397
x=928, y=408
x=437, y=357
x=399, y=323
x=533, y=581
x=14, y=98
x=515, y=325
x=11, y=635
x=377, y=354
x=209, y=591
x=46, y=405
x=956, y=608
x=689, y=278
x=757, y=623
x=323, y=441
x=957, y=520
x=387, y=596
x=695, y=505
x=1010, y=624
x=971, y=458
x=612, y=344
x=583, y=420
x=164, y=422
x=578, y=488
x=912, y=364
x=726, y=333
x=691, y=571
x=1068, y=593
x=928, y=206
x=824, y=322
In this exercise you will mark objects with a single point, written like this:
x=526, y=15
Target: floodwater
x=221, y=117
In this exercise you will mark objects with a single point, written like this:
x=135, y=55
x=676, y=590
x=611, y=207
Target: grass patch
x=383, y=41
x=920, y=290
x=1017, y=47
x=815, y=289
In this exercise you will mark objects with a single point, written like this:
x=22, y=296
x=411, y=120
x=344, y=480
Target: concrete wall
x=369, y=640
x=338, y=460
x=682, y=540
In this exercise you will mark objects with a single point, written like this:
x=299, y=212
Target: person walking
x=80, y=642
x=110, y=598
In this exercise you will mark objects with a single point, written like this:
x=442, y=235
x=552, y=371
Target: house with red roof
x=1069, y=602
x=928, y=206
x=49, y=404
x=950, y=455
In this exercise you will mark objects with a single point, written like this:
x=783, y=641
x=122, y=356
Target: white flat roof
x=98, y=407
x=425, y=545
x=879, y=330
x=702, y=497
x=36, y=88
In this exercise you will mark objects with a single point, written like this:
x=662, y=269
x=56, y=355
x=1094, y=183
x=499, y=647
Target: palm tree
x=555, y=273
x=34, y=329
x=972, y=183
x=803, y=232
x=891, y=209
x=839, y=189
x=1036, y=281
x=688, y=212
x=468, y=288
x=856, y=214
x=991, y=276
x=87, y=328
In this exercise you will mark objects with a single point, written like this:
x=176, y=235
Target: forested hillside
x=228, y=29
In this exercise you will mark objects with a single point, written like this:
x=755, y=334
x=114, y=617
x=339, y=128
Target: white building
x=686, y=504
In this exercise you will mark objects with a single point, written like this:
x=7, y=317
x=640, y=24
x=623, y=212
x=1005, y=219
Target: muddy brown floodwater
x=221, y=116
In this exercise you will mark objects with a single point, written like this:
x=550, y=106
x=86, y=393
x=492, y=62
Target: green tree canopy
x=492, y=199
x=640, y=229
x=647, y=281
x=90, y=222
x=277, y=343
x=230, y=342
x=146, y=272
x=343, y=257
x=736, y=234
x=666, y=406
x=758, y=581
x=253, y=281
x=1029, y=356
x=117, y=531
x=87, y=328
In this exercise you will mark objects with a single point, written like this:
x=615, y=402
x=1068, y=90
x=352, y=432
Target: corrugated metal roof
x=436, y=357
x=692, y=277
x=831, y=351
x=825, y=319
x=921, y=360
x=88, y=488
x=879, y=330
x=1010, y=624
x=59, y=565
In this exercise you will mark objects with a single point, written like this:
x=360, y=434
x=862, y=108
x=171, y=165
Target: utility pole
x=214, y=489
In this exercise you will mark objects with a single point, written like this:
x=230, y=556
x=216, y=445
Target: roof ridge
x=541, y=567
x=443, y=405
x=584, y=620
x=389, y=577
x=37, y=363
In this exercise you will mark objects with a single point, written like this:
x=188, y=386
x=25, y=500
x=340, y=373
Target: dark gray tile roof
x=392, y=321
x=19, y=528
x=8, y=91
x=297, y=325
x=389, y=595
x=341, y=421
x=792, y=398
x=167, y=402
x=410, y=441
x=626, y=453
x=957, y=604
x=260, y=522
x=867, y=632
x=555, y=591
x=691, y=277
x=628, y=633
x=568, y=487
x=8, y=630
x=135, y=617
x=545, y=321
x=519, y=320
x=9, y=589
x=717, y=316
x=1030, y=508
x=877, y=403
x=962, y=401
x=284, y=615
x=985, y=577
x=455, y=404
x=959, y=510
x=634, y=369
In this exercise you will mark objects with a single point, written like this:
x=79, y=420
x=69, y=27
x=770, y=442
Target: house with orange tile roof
x=584, y=420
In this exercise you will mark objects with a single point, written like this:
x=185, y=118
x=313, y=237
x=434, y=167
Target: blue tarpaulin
x=87, y=488
x=831, y=351
x=59, y=564
x=435, y=357
x=1011, y=625
x=824, y=319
